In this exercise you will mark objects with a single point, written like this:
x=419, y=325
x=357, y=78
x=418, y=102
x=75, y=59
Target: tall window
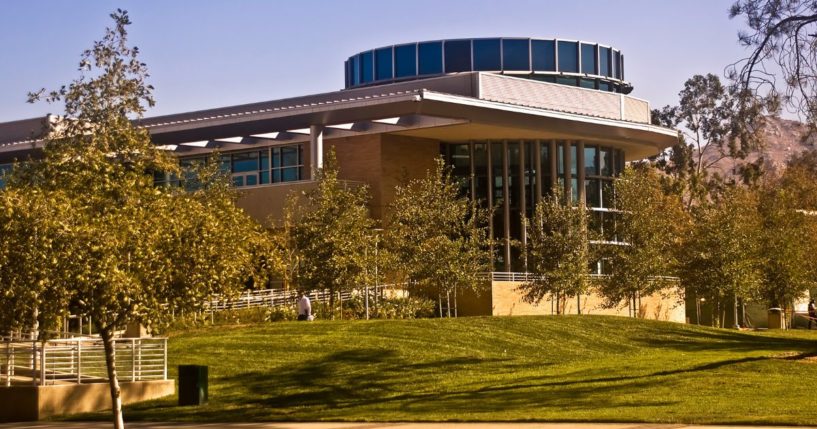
x=4, y=169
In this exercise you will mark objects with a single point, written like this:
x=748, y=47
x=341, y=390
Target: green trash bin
x=192, y=384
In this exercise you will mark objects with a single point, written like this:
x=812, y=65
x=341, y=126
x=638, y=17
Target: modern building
x=513, y=116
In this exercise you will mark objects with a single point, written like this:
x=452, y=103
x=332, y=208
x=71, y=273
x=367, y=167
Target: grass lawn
x=558, y=368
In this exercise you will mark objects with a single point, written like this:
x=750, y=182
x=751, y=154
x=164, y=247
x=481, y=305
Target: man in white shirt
x=304, y=307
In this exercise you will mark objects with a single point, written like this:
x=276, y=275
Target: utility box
x=777, y=319
x=192, y=384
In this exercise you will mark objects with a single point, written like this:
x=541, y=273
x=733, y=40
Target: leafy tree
x=331, y=234
x=437, y=235
x=649, y=229
x=789, y=237
x=558, y=252
x=722, y=256
x=782, y=65
x=711, y=129
x=85, y=227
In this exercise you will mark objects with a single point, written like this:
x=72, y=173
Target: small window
x=568, y=57
x=590, y=161
x=589, y=59
x=457, y=56
x=544, y=55
x=405, y=61
x=383, y=63
x=431, y=57
x=516, y=54
x=604, y=62
x=487, y=55
x=367, y=67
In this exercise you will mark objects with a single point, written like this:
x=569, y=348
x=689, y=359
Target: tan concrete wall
x=28, y=403
x=403, y=158
x=506, y=300
x=359, y=161
x=265, y=202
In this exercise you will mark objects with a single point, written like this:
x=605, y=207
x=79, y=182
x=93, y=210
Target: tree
x=789, y=234
x=558, y=252
x=722, y=256
x=331, y=233
x=711, y=129
x=438, y=235
x=649, y=228
x=781, y=38
x=85, y=227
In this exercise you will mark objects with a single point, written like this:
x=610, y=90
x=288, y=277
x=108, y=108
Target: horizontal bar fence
x=81, y=360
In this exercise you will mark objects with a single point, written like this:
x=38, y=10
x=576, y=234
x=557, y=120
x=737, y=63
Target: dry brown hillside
x=782, y=139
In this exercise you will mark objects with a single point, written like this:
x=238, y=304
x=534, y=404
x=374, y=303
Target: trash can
x=777, y=319
x=192, y=384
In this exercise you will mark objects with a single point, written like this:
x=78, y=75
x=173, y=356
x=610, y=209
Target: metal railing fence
x=81, y=360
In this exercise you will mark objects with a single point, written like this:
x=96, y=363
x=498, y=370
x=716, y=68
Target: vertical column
x=506, y=206
x=566, y=167
x=537, y=164
x=580, y=171
x=523, y=204
x=315, y=148
x=490, y=205
x=473, y=171
x=554, y=168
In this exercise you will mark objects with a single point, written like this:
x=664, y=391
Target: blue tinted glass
x=346, y=66
x=383, y=63
x=568, y=57
x=515, y=54
x=457, y=56
x=405, y=60
x=431, y=57
x=566, y=81
x=355, y=69
x=264, y=177
x=245, y=162
x=289, y=156
x=367, y=67
x=487, y=55
x=265, y=160
x=252, y=180
x=604, y=86
x=616, y=59
x=276, y=157
x=290, y=174
x=604, y=62
x=588, y=83
x=621, y=67
x=589, y=59
x=544, y=55
x=4, y=169
x=238, y=181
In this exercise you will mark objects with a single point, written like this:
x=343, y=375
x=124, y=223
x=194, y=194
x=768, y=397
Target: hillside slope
x=565, y=368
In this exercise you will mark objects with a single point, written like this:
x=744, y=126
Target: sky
x=206, y=53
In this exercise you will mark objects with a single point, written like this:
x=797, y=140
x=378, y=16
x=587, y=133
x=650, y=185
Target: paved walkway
x=106, y=425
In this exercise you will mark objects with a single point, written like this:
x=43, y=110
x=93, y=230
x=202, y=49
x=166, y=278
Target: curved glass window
x=366, y=67
x=383, y=63
x=405, y=60
x=487, y=55
x=568, y=57
x=544, y=55
x=616, y=60
x=589, y=59
x=566, y=81
x=430, y=56
x=516, y=54
x=587, y=83
x=604, y=62
x=457, y=56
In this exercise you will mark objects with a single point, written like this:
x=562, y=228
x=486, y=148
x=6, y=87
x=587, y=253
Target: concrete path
x=105, y=425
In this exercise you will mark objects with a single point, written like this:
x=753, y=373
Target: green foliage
x=85, y=229
x=722, y=255
x=565, y=368
x=437, y=236
x=558, y=251
x=649, y=229
x=326, y=238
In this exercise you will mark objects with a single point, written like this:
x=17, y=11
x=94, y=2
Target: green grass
x=563, y=368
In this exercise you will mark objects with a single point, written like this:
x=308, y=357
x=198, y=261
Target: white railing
x=279, y=297
x=502, y=276
x=81, y=360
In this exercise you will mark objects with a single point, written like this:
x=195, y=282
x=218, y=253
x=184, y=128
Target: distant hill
x=782, y=139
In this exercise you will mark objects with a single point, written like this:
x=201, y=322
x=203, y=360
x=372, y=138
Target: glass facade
x=548, y=60
x=4, y=169
x=513, y=176
x=248, y=168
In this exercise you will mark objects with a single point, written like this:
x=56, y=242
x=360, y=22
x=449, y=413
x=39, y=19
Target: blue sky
x=208, y=53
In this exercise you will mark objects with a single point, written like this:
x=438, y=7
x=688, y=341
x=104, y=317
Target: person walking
x=304, y=307
x=812, y=313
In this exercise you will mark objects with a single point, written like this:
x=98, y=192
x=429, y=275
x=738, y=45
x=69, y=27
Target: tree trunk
x=113, y=380
x=440, y=304
x=736, y=324
x=448, y=303
x=578, y=303
x=332, y=302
